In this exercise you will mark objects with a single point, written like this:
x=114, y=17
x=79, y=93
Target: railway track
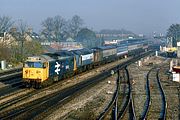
x=11, y=81
x=163, y=97
x=31, y=92
x=11, y=85
x=128, y=102
x=35, y=107
x=132, y=115
x=123, y=91
x=11, y=71
x=113, y=105
x=23, y=96
x=28, y=95
x=155, y=105
x=20, y=98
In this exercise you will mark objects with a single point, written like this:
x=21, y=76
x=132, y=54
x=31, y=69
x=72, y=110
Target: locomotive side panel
x=87, y=59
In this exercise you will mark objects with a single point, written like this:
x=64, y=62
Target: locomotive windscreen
x=33, y=65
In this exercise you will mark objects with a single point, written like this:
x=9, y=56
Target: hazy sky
x=139, y=16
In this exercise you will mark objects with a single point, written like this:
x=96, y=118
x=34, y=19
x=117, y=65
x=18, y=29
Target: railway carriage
x=84, y=58
x=135, y=47
x=105, y=53
x=122, y=48
x=108, y=52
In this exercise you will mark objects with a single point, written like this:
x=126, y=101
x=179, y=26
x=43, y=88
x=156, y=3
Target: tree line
x=173, y=33
x=57, y=29
x=54, y=28
x=14, y=43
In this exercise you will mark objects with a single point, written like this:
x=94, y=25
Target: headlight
x=38, y=71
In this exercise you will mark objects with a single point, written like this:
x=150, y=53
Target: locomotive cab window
x=34, y=65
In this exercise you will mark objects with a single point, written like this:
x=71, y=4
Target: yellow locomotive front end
x=35, y=71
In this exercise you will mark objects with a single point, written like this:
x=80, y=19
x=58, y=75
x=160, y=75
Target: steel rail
x=35, y=106
x=148, y=98
x=10, y=71
x=127, y=103
x=132, y=115
x=164, y=103
x=113, y=101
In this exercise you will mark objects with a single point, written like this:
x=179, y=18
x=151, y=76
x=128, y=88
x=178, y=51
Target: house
x=8, y=39
x=13, y=37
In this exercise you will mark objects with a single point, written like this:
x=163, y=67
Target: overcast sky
x=139, y=16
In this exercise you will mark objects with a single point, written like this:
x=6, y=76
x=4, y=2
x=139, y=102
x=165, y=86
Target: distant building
x=62, y=45
x=141, y=35
x=111, y=42
x=13, y=37
x=8, y=39
x=99, y=35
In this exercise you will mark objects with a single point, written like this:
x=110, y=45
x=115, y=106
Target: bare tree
x=47, y=30
x=59, y=28
x=25, y=47
x=75, y=24
x=5, y=23
x=20, y=35
x=22, y=27
x=54, y=28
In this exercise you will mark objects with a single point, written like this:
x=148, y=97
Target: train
x=42, y=70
